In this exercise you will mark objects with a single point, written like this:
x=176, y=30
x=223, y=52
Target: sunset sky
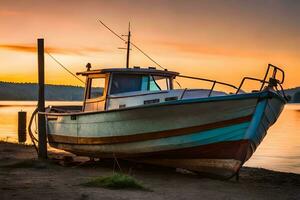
x=223, y=40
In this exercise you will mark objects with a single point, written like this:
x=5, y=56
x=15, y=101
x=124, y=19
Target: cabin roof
x=151, y=71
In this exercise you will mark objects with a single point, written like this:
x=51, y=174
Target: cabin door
x=95, y=96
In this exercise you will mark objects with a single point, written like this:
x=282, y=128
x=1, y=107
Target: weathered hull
x=219, y=160
x=213, y=135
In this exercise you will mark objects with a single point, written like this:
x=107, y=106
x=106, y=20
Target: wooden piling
x=21, y=127
x=42, y=149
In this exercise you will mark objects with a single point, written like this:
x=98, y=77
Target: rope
x=139, y=49
x=112, y=31
x=116, y=161
x=32, y=137
x=60, y=64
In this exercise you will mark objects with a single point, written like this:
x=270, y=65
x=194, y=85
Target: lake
x=280, y=150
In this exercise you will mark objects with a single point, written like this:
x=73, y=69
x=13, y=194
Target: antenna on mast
x=130, y=43
x=128, y=46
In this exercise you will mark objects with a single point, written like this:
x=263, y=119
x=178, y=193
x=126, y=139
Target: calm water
x=279, y=151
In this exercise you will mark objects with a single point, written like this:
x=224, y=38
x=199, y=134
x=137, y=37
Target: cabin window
x=96, y=88
x=145, y=81
x=128, y=83
x=158, y=83
x=122, y=83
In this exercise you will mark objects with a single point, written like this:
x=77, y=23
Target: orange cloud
x=33, y=49
x=9, y=13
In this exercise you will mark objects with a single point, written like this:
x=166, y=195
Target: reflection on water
x=9, y=116
x=279, y=151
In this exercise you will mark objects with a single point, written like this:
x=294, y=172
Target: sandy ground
x=58, y=179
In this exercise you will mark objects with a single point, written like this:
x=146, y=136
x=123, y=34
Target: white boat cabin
x=117, y=88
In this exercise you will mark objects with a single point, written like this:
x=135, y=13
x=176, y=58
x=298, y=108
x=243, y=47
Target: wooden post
x=42, y=150
x=21, y=127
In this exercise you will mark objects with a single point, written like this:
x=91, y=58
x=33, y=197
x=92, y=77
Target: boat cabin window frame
x=169, y=81
x=155, y=80
x=89, y=79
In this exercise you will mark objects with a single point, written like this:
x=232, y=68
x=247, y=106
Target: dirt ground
x=61, y=178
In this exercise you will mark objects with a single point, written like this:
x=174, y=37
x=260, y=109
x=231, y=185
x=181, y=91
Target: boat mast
x=128, y=46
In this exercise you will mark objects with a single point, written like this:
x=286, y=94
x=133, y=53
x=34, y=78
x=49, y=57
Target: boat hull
x=221, y=160
x=213, y=136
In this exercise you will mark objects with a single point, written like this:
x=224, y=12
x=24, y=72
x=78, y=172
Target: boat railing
x=214, y=83
x=273, y=81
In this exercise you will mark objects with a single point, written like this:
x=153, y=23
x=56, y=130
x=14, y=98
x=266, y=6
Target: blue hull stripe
x=229, y=133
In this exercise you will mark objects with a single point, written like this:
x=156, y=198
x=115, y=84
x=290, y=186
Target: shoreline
x=61, y=176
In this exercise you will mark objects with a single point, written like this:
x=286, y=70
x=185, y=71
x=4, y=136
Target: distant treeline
x=29, y=92
x=294, y=93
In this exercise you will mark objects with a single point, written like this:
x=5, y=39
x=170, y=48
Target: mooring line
x=65, y=68
x=116, y=161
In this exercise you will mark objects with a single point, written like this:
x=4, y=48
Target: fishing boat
x=137, y=114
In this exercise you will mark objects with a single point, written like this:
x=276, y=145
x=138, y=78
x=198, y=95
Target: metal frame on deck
x=272, y=82
x=208, y=80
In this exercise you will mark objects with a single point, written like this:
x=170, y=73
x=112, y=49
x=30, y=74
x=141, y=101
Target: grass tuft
x=116, y=181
